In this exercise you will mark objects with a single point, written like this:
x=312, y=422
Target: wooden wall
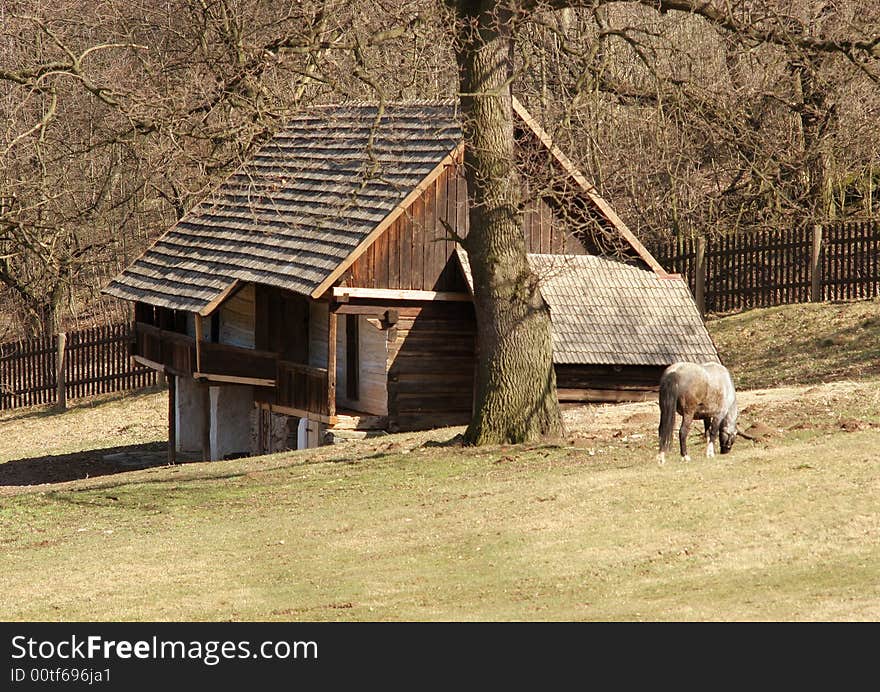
x=608, y=382
x=372, y=359
x=431, y=357
x=237, y=314
x=415, y=253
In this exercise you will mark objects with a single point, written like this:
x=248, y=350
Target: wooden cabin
x=317, y=288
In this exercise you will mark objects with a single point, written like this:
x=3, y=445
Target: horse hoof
x=661, y=459
x=686, y=458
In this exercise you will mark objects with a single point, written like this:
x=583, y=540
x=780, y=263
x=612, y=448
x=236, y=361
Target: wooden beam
x=700, y=271
x=219, y=298
x=449, y=160
x=60, y=370
x=346, y=292
x=588, y=189
x=815, y=266
x=331, y=364
x=302, y=413
x=605, y=395
x=149, y=363
x=233, y=379
x=369, y=310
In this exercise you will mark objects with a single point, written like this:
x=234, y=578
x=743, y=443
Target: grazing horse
x=697, y=391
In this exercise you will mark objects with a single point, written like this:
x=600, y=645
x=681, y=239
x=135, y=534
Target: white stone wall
x=190, y=414
x=231, y=408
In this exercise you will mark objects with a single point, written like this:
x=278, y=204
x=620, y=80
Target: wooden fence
x=92, y=361
x=765, y=268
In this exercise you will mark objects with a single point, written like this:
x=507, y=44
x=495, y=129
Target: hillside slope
x=800, y=344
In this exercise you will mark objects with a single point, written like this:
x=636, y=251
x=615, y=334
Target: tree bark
x=515, y=385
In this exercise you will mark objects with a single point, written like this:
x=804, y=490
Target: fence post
x=700, y=276
x=815, y=267
x=60, y=376
x=172, y=419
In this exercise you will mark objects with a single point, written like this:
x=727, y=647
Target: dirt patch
x=760, y=431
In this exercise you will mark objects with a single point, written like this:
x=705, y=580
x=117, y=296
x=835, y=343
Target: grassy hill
x=411, y=527
x=800, y=344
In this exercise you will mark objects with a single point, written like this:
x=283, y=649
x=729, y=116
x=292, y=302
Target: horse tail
x=668, y=401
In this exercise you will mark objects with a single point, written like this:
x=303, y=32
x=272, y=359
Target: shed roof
x=313, y=197
x=608, y=312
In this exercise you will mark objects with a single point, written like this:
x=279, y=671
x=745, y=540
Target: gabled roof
x=295, y=211
x=310, y=201
x=607, y=312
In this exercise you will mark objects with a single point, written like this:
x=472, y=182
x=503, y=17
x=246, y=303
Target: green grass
x=784, y=528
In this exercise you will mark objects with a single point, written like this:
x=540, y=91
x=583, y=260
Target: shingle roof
x=298, y=208
x=607, y=312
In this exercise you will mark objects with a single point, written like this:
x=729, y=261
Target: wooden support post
x=331, y=364
x=198, y=322
x=815, y=267
x=60, y=377
x=206, y=420
x=172, y=419
x=700, y=275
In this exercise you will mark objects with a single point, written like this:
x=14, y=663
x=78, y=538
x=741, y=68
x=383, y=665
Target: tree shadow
x=90, y=463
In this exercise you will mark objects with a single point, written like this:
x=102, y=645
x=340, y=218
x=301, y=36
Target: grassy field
x=409, y=527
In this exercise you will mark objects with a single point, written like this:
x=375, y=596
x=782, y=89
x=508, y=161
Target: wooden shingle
x=608, y=312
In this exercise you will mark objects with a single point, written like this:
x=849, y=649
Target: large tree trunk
x=516, y=385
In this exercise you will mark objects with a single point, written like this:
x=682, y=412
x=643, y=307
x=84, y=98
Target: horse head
x=727, y=432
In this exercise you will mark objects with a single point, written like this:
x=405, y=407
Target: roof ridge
x=376, y=104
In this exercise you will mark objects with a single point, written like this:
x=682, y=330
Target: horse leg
x=686, y=420
x=712, y=428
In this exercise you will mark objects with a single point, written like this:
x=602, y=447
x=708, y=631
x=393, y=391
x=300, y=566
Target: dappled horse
x=703, y=391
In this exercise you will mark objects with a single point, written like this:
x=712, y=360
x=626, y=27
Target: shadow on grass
x=90, y=463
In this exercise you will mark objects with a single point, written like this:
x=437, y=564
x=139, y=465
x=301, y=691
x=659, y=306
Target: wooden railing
x=175, y=351
x=297, y=386
x=233, y=361
x=302, y=387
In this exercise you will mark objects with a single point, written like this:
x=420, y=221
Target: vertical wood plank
x=331, y=363
x=439, y=251
x=431, y=272
x=394, y=241
x=418, y=252
x=406, y=243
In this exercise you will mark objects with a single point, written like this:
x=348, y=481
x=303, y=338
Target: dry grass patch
x=800, y=344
